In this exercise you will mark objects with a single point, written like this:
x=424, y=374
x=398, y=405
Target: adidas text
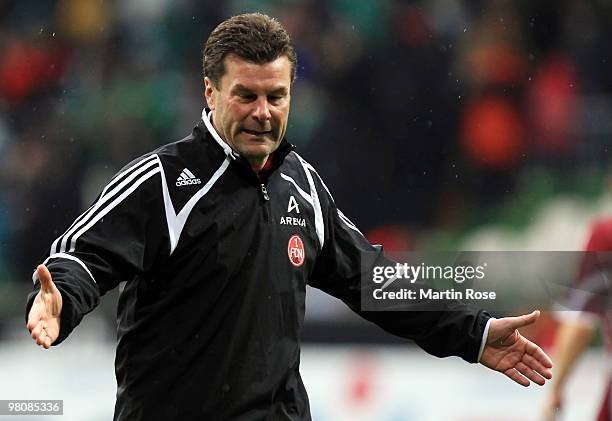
x=190, y=181
x=187, y=178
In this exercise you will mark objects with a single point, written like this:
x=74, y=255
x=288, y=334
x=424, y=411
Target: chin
x=256, y=151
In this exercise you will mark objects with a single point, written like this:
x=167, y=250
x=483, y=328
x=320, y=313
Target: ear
x=209, y=93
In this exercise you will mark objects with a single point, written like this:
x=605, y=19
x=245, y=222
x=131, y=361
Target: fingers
x=524, y=320
x=41, y=336
x=516, y=376
x=521, y=374
x=529, y=373
x=44, y=339
x=39, y=329
x=47, y=343
x=502, y=329
x=36, y=330
x=33, y=318
x=537, y=353
x=44, y=276
x=537, y=366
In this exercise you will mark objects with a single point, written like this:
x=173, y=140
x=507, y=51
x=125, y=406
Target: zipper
x=266, y=203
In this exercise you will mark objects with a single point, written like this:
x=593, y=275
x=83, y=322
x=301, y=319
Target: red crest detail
x=295, y=250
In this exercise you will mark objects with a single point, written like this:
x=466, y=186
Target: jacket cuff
x=485, y=336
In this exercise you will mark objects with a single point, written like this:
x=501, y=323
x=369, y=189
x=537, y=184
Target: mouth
x=257, y=132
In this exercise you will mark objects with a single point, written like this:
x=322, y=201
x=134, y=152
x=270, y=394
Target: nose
x=262, y=111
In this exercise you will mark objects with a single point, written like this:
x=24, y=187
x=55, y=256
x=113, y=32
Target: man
x=591, y=304
x=217, y=236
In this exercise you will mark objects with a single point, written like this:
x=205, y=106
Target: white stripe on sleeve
x=64, y=256
x=117, y=183
x=319, y=225
x=112, y=205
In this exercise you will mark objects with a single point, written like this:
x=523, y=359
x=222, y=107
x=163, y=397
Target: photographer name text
x=432, y=294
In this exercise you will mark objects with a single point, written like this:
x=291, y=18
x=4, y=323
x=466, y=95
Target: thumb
x=44, y=276
x=524, y=320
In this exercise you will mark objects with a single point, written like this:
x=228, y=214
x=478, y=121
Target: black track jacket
x=216, y=265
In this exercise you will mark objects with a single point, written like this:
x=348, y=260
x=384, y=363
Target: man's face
x=251, y=106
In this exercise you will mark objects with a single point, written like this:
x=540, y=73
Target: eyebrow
x=277, y=91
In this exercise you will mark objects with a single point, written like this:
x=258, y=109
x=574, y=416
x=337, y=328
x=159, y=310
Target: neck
x=257, y=164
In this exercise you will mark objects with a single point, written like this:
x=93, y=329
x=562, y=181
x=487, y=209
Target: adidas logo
x=186, y=178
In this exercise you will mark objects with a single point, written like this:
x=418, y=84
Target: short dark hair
x=252, y=36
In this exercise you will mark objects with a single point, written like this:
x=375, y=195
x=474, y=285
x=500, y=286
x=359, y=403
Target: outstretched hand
x=508, y=352
x=44, y=316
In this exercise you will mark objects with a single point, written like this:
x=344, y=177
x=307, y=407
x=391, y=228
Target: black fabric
x=211, y=328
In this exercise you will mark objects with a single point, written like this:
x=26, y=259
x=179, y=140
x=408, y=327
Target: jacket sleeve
x=347, y=257
x=118, y=238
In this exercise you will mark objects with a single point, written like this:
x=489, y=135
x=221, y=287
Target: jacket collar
x=277, y=157
x=206, y=118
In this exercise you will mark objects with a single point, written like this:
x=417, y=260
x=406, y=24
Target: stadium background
x=443, y=124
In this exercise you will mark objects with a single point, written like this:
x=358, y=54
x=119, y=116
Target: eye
x=247, y=97
x=274, y=98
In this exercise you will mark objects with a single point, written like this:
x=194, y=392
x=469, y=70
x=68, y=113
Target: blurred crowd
x=420, y=115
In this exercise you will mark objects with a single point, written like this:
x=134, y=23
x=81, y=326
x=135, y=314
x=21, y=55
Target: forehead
x=271, y=75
